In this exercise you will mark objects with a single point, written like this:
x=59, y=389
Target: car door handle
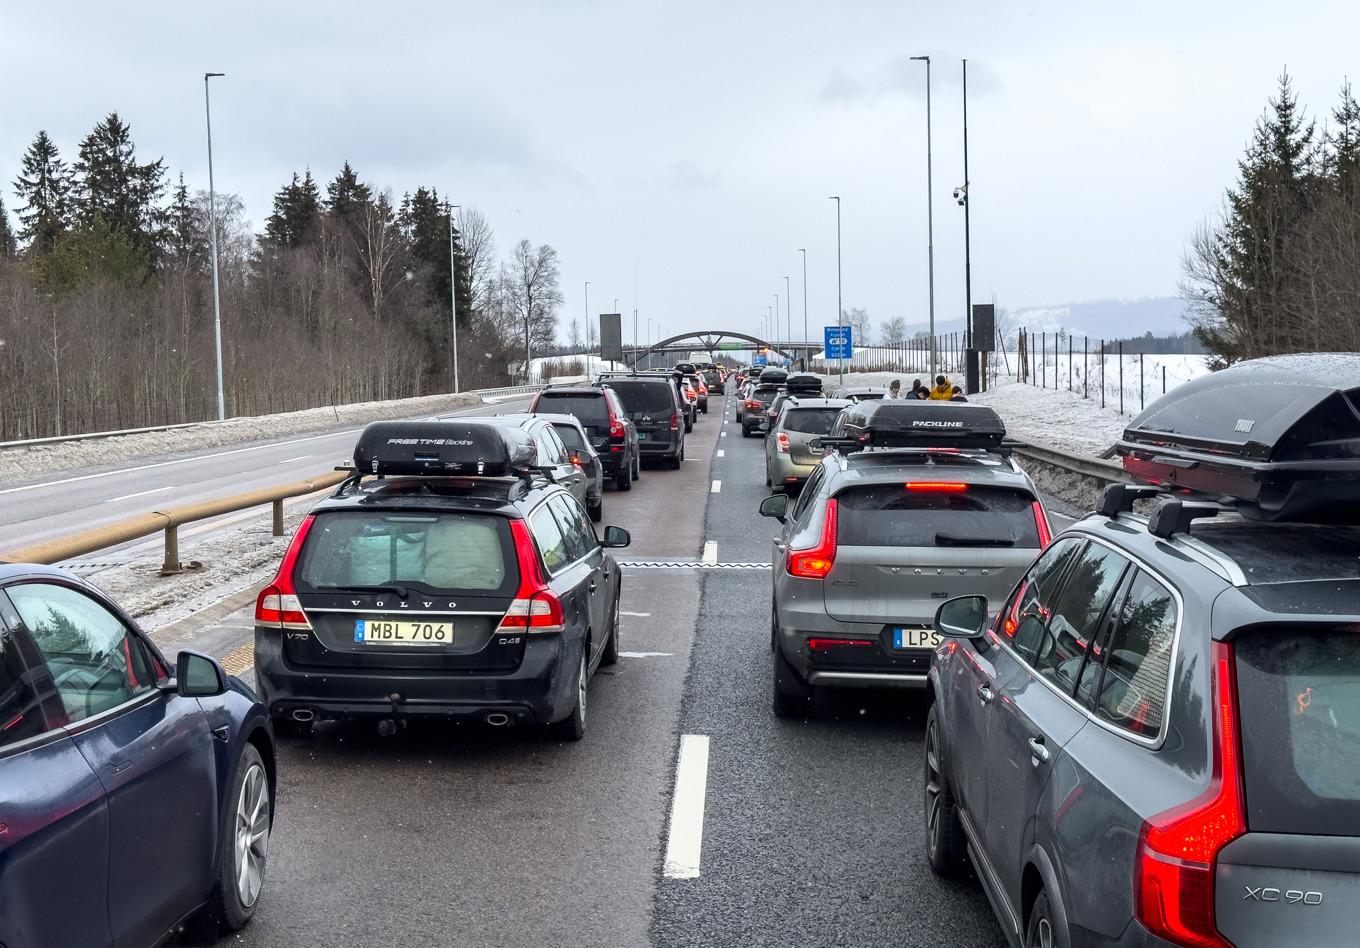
x=593, y=585
x=985, y=694
x=118, y=766
x=1038, y=751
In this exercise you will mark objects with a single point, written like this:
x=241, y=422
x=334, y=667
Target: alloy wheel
x=933, y=788
x=252, y=835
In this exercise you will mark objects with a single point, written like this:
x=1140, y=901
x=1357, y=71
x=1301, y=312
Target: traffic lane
x=665, y=509
x=81, y=500
x=812, y=829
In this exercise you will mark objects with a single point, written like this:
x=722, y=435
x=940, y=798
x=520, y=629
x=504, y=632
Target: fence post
x=278, y=518
x=1043, y=356
x=1102, y=373
x=1085, y=367
x=1121, y=376
x=1163, y=379
x=170, y=566
x=1069, y=362
x=1142, y=384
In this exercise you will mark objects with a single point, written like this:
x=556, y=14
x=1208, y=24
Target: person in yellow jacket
x=943, y=390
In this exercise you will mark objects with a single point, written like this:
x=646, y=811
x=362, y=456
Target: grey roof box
x=804, y=383
x=443, y=449
x=1279, y=436
x=910, y=423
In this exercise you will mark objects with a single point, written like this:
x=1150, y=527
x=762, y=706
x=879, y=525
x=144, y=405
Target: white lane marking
x=710, y=552
x=722, y=453
x=636, y=615
x=140, y=493
x=685, y=842
x=724, y=434
x=646, y=655
x=301, y=457
x=716, y=488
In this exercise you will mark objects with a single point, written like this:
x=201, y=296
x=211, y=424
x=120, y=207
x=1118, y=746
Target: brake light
x=703, y=389
x=1041, y=524
x=277, y=606
x=782, y=442
x=1178, y=849
x=752, y=403
x=675, y=422
x=616, y=429
x=576, y=459
x=825, y=645
x=938, y=487
x=816, y=563
x=535, y=607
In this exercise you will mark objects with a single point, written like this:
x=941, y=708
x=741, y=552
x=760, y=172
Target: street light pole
x=453, y=294
x=587, y=305
x=803, y=251
x=788, y=316
x=967, y=239
x=930, y=217
x=840, y=305
x=774, y=330
x=212, y=231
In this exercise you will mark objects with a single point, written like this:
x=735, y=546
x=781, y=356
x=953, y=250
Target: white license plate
x=391, y=632
x=915, y=638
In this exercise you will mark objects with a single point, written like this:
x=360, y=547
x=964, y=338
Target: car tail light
x=616, y=427
x=816, y=563
x=825, y=645
x=535, y=607
x=1041, y=524
x=576, y=459
x=277, y=606
x=938, y=487
x=752, y=403
x=675, y=422
x=782, y=442
x=1178, y=849
x=703, y=389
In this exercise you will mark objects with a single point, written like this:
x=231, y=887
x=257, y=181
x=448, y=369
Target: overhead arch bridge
x=716, y=342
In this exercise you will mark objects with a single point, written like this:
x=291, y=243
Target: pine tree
x=184, y=233
x=1343, y=157
x=7, y=243
x=297, y=208
x=44, y=190
x=346, y=197
x=113, y=187
x=426, y=225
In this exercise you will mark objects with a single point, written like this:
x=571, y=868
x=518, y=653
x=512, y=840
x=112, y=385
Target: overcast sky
x=696, y=143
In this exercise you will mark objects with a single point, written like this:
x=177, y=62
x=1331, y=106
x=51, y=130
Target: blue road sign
x=759, y=358
x=840, y=342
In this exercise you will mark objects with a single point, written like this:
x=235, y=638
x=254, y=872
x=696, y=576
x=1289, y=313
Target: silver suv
x=893, y=522
x=789, y=456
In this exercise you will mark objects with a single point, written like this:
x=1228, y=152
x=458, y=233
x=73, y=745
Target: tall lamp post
x=840, y=306
x=453, y=294
x=930, y=217
x=587, y=306
x=774, y=327
x=803, y=251
x=972, y=356
x=788, y=316
x=212, y=232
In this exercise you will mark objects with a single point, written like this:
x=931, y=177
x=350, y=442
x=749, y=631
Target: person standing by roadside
x=918, y=391
x=943, y=390
x=895, y=389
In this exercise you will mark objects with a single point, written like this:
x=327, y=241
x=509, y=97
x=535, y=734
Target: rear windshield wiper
x=950, y=539
x=400, y=590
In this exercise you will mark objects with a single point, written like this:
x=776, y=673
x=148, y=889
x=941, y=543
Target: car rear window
x=1298, y=695
x=645, y=397
x=893, y=515
x=814, y=421
x=439, y=551
x=570, y=435
x=591, y=409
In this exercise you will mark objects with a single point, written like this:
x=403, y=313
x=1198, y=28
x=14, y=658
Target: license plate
x=643, y=436
x=915, y=638
x=385, y=632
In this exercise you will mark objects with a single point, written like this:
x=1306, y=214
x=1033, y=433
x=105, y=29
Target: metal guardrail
x=169, y=521
x=1107, y=472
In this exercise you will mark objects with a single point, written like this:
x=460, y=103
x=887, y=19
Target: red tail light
x=752, y=403
x=782, y=442
x=1178, y=849
x=675, y=422
x=576, y=459
x=535, y=608
x=277, y=606
x=816, y=563
x=703, y=389
x=616, y=429
x=938, y=487
x=1041, y=524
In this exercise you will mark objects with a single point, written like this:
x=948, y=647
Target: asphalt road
x=809, y=831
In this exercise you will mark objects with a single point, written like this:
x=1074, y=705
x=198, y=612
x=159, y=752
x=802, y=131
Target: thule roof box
x=444, y=449
x=804, y=383
x=1280, y=437
x=891, y=423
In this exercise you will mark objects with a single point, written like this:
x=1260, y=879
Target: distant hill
x=1099, y=319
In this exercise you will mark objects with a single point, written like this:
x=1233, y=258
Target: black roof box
x=901, y=423
x=774, y=375
x=804, y=383
x=443, y=449
x=1280, y=436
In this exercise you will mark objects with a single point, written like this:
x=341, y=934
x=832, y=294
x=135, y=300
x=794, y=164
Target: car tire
x=678, y=459
x=769, y=482
x=791, y=696
x=573, y=726
x=946, y=846
x=624, y=479
x=1041, y=932
x=611, y=647
x=689, y=426
x=235, y=894
x=637, y=467
x=596, y=510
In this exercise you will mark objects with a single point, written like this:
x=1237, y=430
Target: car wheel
x=596, y=510
x=768, y=481
x=243, y=849
x=1040, y=932
x=637, y=467
x=791, y=694
x=678, y=459
x=946, y=847
x=611, y=647
x=689, y=426
x=624, y=479
x=573, y=726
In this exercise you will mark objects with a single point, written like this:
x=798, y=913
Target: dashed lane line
x=710, y=552
x=722, y=453
x=685, y=842
x=716, y=488
x=140, y=493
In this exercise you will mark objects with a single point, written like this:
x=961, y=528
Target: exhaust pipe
x=304, y=715
x=497, y=719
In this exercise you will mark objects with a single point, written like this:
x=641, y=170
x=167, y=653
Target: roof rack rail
x=1176, y=516
x=1120, y=498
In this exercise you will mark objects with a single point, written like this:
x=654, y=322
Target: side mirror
x=617, y=537
x=776, y=506
x=964, y=617
x=198, y=675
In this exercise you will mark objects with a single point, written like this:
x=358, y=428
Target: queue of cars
x=1145, y=730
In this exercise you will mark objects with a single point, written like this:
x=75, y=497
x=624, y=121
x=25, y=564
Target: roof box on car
x=803, y=383
x=774, y=375
x=1279, y=436
x=443, y=449
x=917, y=424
